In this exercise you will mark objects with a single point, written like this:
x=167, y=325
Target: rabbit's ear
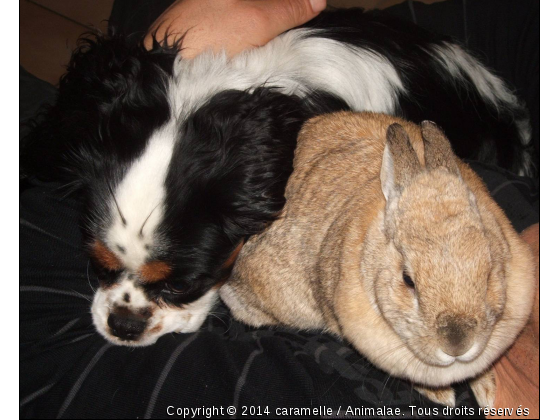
x=437, y=149
x=400, y=163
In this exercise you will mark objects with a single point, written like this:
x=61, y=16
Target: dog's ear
x=113, y=92
x=261, y=147
x=237, y=152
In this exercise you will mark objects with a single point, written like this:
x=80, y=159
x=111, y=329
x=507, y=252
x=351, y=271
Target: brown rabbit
x=391, y=242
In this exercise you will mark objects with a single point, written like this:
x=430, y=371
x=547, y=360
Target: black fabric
x=33, y=94
x=68, y=371
x=519, y=197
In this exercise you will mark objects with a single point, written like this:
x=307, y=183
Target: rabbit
x=390, y=242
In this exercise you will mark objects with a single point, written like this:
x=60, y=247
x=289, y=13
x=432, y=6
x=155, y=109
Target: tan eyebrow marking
x=154, y=271
x=104, y=256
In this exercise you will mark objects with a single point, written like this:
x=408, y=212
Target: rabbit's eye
x=407, y=280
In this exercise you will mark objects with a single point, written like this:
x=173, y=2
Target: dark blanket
x=68, y=370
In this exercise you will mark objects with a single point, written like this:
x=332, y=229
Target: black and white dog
x=179, y=161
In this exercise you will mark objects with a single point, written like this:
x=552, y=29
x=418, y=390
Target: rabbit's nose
x=456, y=334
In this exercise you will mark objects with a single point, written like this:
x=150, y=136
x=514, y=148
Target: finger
x=286, y=14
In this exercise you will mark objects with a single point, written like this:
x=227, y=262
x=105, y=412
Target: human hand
x=517, y=371
x=230, y=25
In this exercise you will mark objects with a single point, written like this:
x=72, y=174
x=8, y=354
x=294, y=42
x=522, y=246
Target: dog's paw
x=484, y=389
x=443, y=396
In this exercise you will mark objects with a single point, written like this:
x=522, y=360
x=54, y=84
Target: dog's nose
x=127, y=325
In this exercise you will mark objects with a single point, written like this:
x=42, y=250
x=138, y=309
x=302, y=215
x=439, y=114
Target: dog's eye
x=176, y=287
x=407, y=280
x=105, y=276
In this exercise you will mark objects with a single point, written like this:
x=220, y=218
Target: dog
x=178, y=162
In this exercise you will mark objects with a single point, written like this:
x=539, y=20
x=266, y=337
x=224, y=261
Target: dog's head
x=169, y=197
x=164, y=232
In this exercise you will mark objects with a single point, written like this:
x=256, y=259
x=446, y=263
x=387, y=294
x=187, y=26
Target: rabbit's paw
x=443, y=396
x=484, y=389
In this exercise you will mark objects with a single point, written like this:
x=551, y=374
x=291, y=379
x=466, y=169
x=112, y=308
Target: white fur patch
x=140, y=197
x=472, y=353
x=491, y=87
x=295, y=64
x=524, y=127
x=443, y=358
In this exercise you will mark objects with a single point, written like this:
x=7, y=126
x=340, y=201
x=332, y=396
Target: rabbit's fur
x=371, y=197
